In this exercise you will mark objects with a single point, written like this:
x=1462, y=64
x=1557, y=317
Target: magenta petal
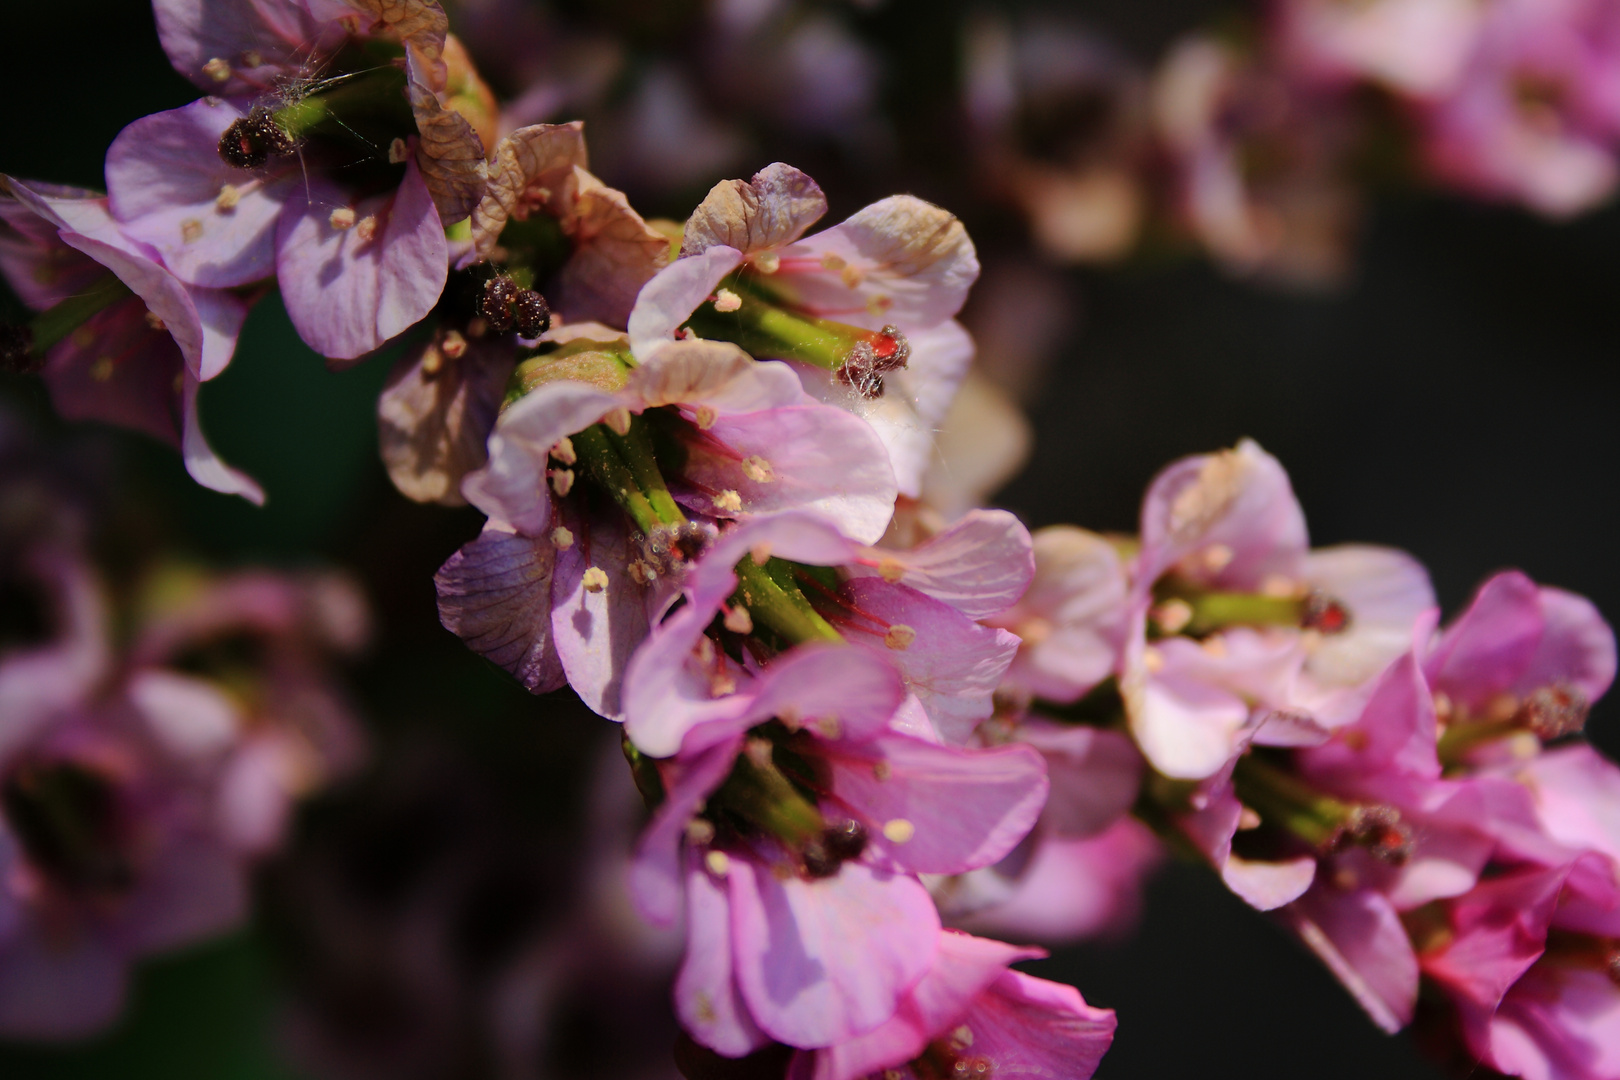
x=1359, y=936
x=837, y=692
x=665, y=694
x=1395, y=732
x=597, y=631
x=964, y=968
x=1024, y=1026
x=202, y=463
x=1482, y=653
x=1577, y=646
x=347, y=294
x=1500, y=929
x=656, y=874
x=495, y=594
x=821, y=961
x=164, y=183
x=965, y=808
x=706, y=997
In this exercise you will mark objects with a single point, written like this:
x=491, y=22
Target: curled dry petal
x=450, y=155
x=771, y=210
x=615, y=252
x=435, y=415
x=495, y=594
x=420, y=26
x=537, y=156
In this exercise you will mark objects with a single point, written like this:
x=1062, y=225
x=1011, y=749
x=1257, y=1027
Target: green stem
x=1285, y=801
x=784, y=610
x=596, y=452
x=758, y=792
x=55, y=323
x=636, y=450
x=1458, y=739
x=1213, y=610
x=762, y=327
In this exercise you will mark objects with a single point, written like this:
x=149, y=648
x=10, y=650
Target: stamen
x=453, y=345
x=594, y=580
x=219, y=70
x=899, y=831
x=229, y=195
x=562, y=538
x=726, y=301
x=758, y=469
x=398, y=152
x=1555, y=711
x=562, y=481
x=899, y=637
x=564, y=451
x=342, y=219
x=738, y=621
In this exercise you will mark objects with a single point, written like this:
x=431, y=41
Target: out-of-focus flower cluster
x=154, y=740
x=732, y=471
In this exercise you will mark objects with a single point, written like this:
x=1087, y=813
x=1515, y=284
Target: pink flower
x=340, y=186
x=1536, y=114
x=969, y=1016
x=868, y=304
x=915, y=609
x=794, y=826
x=139, y=360
x=555, y=588
x=1289, y=639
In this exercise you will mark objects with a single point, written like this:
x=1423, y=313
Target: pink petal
x=164, y=182
x=953, y=664
x=1386, y=591
x=1359, y=936
x=981, y=564
x=1577, y=646
x=1188, y=729
x=495, y=594
x=347, y=295
x=656, y=874
x=1031, y=1027
x=282, y=33
x=1266, y=885
x=822, y=961
x=964, y=968
x=1500, y=929
x=139, y=391
x=1395, y=732
x=1073, y=616
x=706, y=990
x=965, y=808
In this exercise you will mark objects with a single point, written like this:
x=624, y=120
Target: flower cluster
x=151, y=751
x=866, y=718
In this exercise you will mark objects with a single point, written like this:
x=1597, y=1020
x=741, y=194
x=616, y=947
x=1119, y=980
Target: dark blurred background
x=1455, y=397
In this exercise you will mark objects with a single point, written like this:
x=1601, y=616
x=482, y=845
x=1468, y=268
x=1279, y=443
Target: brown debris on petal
x=910, y=235
x=450, y=155
x=769, y=211
x=436, y=413
x=525, y=164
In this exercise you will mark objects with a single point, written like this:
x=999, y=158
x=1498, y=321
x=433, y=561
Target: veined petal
x=706, y=994
x=597, y=629
x=202, y=463
x=495, y=594
x=1385, y=591
x=435, y=416
x=669, y=299
x=981, y=564
x=769, y=211
x=1359, y=936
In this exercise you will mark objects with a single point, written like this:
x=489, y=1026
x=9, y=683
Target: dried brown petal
x=450, y=155
x=529, y=159
x=419, y=25
x=435, y=415
x=771, y=210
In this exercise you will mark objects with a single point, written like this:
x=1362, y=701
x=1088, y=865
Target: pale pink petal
x=1577, y=646
x=669, y=299
x=191, y=717
x=706, y=995
x=349, y=290
x=1266, y=885
x=820, y=961
x=1384, y=590
x=981, y=564
x=1072, y=619
x=1558, y=1023
x=214, y=224
x=596, y=631
x=283, y=34
x=900, y=260
x=960, y=809
x=203, y=464
x=1229, y=519
x=512, y=487
x=1359, y=936
x=495, y=594
x=839, y=693
x=1187, y=728
x=193, y=890
x=1482, y=653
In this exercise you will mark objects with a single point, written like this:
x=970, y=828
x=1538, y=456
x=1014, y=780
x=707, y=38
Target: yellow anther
x=729, y=501
x=594, y=580
x=191, y=230
x=726, y=301
x=563, y=451
x=899, y=637
x=891, y=571
x=738, y=621
x=618, y=420
x=562, y=481
x=718, y=863
x=229, y=195
x=562, y=538
x=758, y=469
x=219, y=70
x=453, y=345
x=705, y=416
x=767, y=262
x=398, y=152
x=342, y=218
x=898, y=831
